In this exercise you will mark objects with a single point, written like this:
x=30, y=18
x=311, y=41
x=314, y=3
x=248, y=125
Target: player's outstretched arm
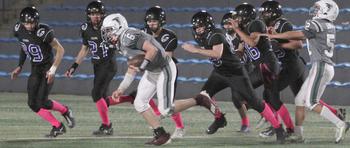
x=128, y=79
x=290, y=35
x=216, y=52
x=59, y=55
x=81, y=55
x=293, y=45
x=251, y=40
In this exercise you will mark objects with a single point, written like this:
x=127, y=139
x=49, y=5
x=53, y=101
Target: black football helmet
x=270, y=11
x=95, y=7
x=225, y=19
x=156, y=13
x=29, y=15
x=245, y=12
x=202, y=19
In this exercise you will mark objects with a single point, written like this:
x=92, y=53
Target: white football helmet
x=113, y=25
x=325, y=9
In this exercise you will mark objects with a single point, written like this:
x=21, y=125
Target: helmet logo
x=329, y=7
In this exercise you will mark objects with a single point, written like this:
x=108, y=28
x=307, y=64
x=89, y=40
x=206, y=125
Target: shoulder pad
x=84, y=26
x=43, y=29
x=128, y=37
x=17, y=26
x=169, y=31
x=280, y=24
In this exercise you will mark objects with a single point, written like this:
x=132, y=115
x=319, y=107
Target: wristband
x=144, y=63
x=52, y=70
x=74, y=65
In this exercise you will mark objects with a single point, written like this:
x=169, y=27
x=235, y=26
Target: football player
x=293, y=71
x=259, y=51
x=37, y=40
x=159, y=75
x=319, y=33
x=235, y=42
x=155, y=19
x=103, y=60
x=228, y=69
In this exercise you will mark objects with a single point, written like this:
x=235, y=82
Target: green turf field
x=21, y=128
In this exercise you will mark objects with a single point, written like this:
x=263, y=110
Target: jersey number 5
x=330, y=44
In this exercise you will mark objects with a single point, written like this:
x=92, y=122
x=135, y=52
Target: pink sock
x=273, y=111
x=46, y=115
x=245, y=121
x=268, y=115
x=177, y=118
x=284, y=114
x=328, y=106
x=102, y=108
x=121, y=99
x=56, y=106
x=154, y=107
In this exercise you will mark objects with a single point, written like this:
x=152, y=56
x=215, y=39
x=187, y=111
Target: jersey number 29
x=34, y=51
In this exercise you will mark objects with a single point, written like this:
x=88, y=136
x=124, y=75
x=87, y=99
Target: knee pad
x=140, y=105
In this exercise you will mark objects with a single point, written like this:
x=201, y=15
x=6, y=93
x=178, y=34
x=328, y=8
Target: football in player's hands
x=136, y=60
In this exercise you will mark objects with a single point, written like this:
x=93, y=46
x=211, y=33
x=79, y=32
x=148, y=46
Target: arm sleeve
x=22, y=58
x=49, y=36
x=83, y=34
x=284, y=26
x=140, y=41
x=311, y=28
x=172, y=45
x=16, y=28
x=216, y=39
x=257, y=26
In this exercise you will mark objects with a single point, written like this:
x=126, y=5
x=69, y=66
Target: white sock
x=329, y=115
x=299, y=130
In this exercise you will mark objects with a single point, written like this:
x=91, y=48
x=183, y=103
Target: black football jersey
x=36, y=44
x=264, y=44
x=229, y=61
x=99, y=50
x=263, y=50
x=167, y=38
x=284, y=55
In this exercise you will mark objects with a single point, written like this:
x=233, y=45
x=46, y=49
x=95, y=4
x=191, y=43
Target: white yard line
x=93, y=138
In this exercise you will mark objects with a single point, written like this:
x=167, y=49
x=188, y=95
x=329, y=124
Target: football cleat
x=55, y=131
x=220, y=121
x=104, y=130
x=178, y=133
x=69, y=117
